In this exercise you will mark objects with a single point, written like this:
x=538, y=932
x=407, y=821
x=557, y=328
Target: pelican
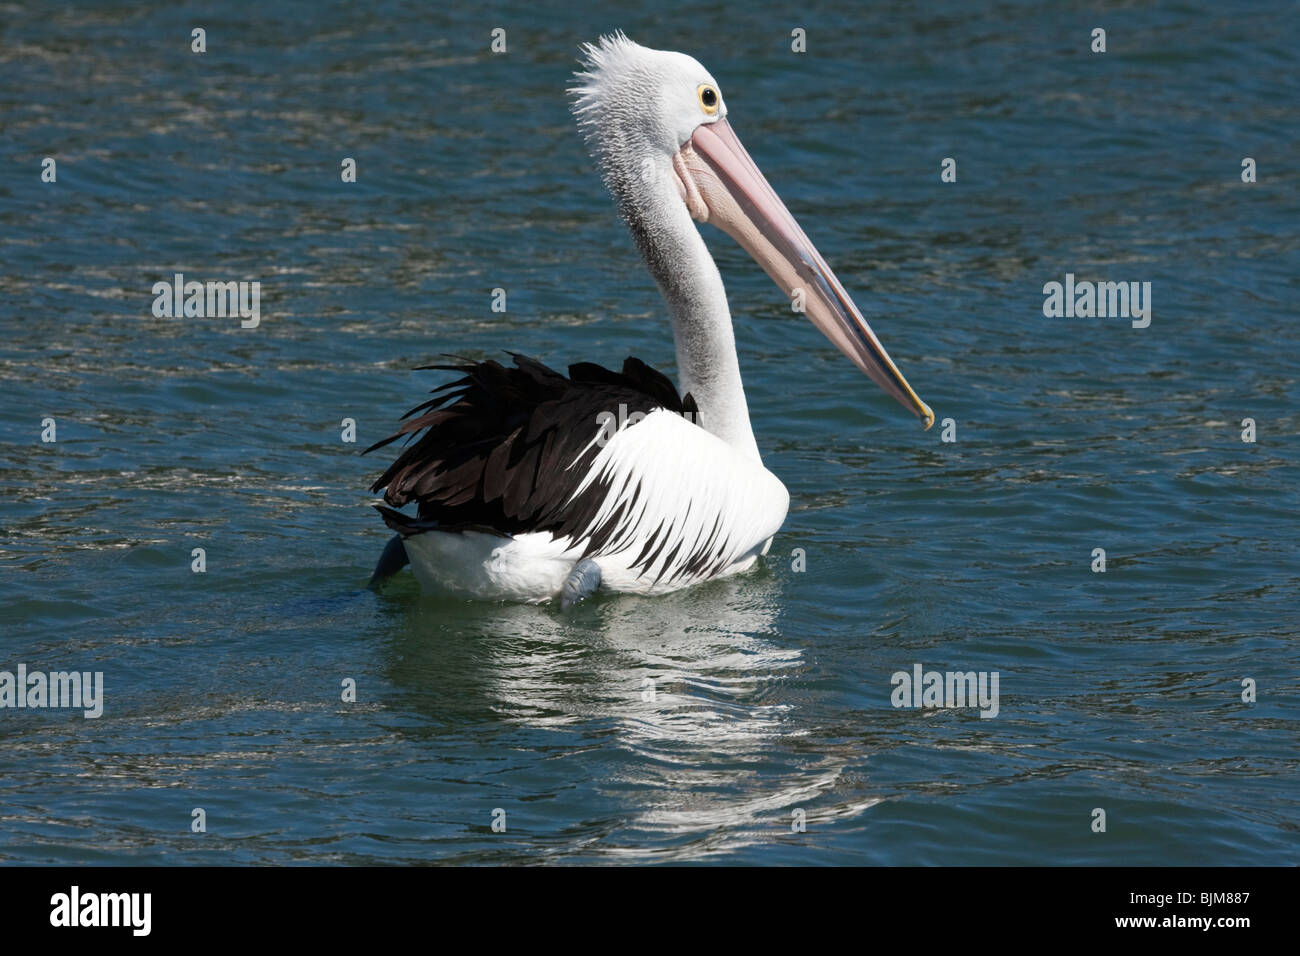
x=531, y=485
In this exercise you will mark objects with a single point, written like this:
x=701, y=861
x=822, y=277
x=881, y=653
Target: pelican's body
x=531, y=485
x=653, y=554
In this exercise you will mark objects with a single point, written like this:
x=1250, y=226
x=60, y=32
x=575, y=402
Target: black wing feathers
x=505, y=448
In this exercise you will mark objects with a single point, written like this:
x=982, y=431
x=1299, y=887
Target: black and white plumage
x=519, y=473
x=504, y=449
x=530, y=485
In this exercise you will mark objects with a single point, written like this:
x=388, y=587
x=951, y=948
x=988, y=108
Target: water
x=1119, y=691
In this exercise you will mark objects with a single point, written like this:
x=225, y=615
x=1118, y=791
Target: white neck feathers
x=688, y=278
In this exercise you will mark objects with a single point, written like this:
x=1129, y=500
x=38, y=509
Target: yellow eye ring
x=708, y=98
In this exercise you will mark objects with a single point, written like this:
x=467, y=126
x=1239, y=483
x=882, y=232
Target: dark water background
x=1119, y=690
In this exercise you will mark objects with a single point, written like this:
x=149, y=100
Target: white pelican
x=531, y=485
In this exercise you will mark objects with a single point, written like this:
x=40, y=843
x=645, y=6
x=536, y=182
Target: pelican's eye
x=708, y=98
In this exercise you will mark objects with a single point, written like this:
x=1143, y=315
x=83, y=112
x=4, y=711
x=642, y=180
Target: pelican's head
x=656, y=119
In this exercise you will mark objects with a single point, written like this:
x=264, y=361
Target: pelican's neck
x=707, y=365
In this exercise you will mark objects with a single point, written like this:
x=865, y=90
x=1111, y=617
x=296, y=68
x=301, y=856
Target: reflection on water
x=700, y=726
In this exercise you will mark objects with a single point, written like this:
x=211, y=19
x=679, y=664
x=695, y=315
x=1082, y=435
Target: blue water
x=1119, y=690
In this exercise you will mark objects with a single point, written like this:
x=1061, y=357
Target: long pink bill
x=723, y=186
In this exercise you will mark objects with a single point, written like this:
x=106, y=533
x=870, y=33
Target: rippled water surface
x=1120, y=691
